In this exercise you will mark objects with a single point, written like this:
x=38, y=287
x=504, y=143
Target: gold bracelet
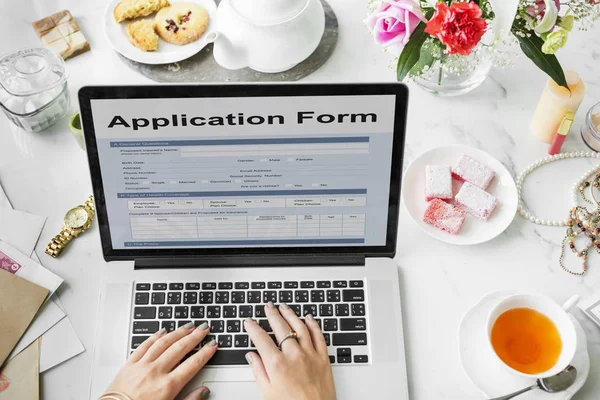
x=114, y=396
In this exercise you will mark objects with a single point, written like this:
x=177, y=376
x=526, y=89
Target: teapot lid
x=31, y=71
x=268, y=11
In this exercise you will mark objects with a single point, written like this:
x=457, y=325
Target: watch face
x=76, y=218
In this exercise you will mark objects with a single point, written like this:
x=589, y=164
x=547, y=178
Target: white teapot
x=267, y=35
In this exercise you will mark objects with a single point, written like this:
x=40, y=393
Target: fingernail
x=205, y=393
x=248, y=320
x=284, y=306
x=203, y=326
x=270, y=304
x=161, y=331
x=309, y=316
x=189, y=325
x=249, y=358
x=212, y=343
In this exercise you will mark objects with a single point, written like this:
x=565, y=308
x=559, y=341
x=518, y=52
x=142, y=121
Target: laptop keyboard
x=339, y=306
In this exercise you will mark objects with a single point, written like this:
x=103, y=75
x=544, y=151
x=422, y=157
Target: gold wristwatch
x=77, y=220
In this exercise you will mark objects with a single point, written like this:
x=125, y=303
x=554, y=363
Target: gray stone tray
x=202, y=67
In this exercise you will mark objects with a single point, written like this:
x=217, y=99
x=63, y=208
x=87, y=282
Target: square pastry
x=444, y=216
x=476, y=201
x=470, y=170
x=438, y=182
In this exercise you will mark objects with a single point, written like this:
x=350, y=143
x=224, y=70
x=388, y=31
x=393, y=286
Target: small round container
x=33, y=88
x=590, y=130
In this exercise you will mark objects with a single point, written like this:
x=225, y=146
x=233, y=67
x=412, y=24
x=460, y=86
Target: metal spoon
x=557, y=383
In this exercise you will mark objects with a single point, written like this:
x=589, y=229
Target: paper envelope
x=20, y=377
x=20, y=301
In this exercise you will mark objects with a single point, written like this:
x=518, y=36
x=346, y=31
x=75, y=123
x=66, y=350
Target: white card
x=4, y=202
x=20, y=229
x=59, y=344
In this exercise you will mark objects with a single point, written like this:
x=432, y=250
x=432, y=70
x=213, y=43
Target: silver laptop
x=227, y=197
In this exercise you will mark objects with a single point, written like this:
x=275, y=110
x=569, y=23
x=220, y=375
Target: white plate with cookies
x=159, y=31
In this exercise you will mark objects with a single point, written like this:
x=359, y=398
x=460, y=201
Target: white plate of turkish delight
x=460, y=195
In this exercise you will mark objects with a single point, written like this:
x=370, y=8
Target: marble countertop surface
x=47, y=174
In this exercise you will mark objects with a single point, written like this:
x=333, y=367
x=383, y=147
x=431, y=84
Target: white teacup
x=557, y=314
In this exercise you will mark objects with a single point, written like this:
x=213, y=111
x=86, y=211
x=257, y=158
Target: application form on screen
x=246, y=172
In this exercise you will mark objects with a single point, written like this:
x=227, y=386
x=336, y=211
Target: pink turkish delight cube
x=444, y=216
x=438, y=182
x=470, y=170
x=476, y=201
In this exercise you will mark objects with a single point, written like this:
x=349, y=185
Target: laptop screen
x=245, y=172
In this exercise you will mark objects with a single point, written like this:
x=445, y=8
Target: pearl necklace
x=521, y=178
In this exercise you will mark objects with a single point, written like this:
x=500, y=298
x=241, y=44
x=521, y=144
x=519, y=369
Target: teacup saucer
x=491, y=377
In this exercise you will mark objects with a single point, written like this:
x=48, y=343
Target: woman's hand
x=301, y=369
x=153, y=371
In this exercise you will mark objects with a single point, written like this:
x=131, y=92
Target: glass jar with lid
x=590, y=130
x=33, y=88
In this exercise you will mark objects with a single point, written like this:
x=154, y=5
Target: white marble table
x=47, y=174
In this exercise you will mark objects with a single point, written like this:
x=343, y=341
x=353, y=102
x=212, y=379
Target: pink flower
x=393, y=22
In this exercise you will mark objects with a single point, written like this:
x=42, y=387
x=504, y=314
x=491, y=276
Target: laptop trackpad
x=234, y=390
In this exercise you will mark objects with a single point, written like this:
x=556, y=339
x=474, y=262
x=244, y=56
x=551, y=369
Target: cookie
x=130, y=9
x=141, y=34
x=181, y=23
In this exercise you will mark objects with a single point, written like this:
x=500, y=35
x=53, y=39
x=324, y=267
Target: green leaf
x=532, y=47
x=426, y=60
x=412, y=51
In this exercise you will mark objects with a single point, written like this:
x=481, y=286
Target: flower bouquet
x=454, y=36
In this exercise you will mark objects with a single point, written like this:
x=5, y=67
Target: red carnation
x=460, y=26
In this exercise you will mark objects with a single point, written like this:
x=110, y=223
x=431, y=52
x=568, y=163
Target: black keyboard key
x=175, y=286
x=323, y=284
x=142, y=298
x=158, y=298
x=307, y=284
x=229, y=311
x=361, y=359
x=330, y=324
x=213, y=312
x=142, y=286
x=245, y=311
x=224, y=341
x=297, y=309
x=159, y=286
x=200, y=322
x=233, y=326
x=290, y=285
x=331, y=359
x=327, y=339
x=353, y=324
x=197, y=311
x=342, y=310
x=358, y=309
x=174, y=298
x=350, y=339
x=181, y=312
x=209, y=286
x=205, y=298
x=207, y=339
x=259, y=311
x=192, y=286
x=353, y=295
x=222, y=297
x=190, y=298
x=320, y=322
x=269, y=295
x=225, y=285
x=137, y=340
x=242, y=285
x=258, y=285
x=286, y=296
x=340, y=284
x=274, y=285
x=144, y=313
x=264, y=323
x=238, y=297
x=254, y=297
x=356, y=284
x=182, y=323
x=309, y=309
x=145, y=327
x=344, y=351
x=217, y=326
x=333, y=296
x=344, y=359
x=165, y=312
x=325, y=310
x=229, y=357
x=301, y=296
x=168, y=325
x=317, y=296
x=240, y=341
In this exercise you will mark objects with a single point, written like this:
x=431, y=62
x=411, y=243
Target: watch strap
x=59, y=242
